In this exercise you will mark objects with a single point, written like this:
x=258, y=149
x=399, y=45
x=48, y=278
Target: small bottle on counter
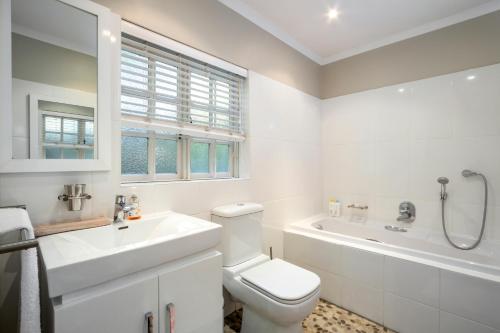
x=135, y=212
x=334, y=208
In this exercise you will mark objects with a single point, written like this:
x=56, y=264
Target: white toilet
x=275, y=294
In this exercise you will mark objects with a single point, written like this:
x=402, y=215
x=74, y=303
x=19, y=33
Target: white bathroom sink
x=83, y=258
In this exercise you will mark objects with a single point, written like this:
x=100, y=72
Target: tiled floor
x=326, y=318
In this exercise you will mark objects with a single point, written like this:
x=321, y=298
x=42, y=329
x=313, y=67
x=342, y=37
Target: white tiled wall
x=284, y=171
x=403, y=295
x=384, y=146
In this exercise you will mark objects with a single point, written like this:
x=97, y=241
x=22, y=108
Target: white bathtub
x=411, y=282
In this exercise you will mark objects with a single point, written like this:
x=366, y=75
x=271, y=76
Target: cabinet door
x=110, y=309
x=194, y=293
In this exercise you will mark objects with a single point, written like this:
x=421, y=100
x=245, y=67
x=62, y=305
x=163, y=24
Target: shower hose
x=476, y=243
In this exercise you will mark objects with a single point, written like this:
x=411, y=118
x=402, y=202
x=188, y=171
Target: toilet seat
x=281, y=281
x=262, y=293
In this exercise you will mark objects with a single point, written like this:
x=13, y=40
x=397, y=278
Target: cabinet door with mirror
x=59, y=82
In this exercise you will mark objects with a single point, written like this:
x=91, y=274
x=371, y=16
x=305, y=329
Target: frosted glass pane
x=199, y=157
x=52, y=153
x=70, y=154
x=222, y=157
x=134, y=155
x=166, y=156
x=88, y=154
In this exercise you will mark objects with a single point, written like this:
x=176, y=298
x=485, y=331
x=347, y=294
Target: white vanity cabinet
x=114, y=308
x=192, y=286
x=194, y=292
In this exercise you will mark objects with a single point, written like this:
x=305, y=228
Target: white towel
x=15, y=219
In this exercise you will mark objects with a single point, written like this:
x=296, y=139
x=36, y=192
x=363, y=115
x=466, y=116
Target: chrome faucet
x=406, y=212
x=121, y=209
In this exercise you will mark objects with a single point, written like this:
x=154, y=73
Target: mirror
x=54, y=81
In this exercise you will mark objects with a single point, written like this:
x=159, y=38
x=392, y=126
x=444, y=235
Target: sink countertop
x=83, y=258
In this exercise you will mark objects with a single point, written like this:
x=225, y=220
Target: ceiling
x=56, y=23
x=362, y=25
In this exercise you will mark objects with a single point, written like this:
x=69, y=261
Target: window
x=153, y=156
x=66, y=137
x=212, y=159
x=182, y=118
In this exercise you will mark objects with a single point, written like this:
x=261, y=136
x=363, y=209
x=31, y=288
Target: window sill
x=179, y=181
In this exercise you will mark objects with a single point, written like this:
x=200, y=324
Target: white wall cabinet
x=192, y=286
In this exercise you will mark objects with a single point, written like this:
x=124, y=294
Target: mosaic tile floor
x=326, y=318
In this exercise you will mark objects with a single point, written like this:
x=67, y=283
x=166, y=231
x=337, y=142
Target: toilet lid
x=281, y=280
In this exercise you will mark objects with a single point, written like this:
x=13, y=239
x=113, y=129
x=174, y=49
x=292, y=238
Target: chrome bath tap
x=406, y=212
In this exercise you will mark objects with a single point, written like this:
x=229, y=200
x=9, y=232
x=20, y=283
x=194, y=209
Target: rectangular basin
x=80, y=259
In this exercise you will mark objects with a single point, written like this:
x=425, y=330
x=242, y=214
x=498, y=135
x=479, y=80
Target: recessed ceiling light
x=333, y=14
x=471, y=77
x=401, y=90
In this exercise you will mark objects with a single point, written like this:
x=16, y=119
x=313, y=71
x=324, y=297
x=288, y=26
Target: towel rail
x=23, y=244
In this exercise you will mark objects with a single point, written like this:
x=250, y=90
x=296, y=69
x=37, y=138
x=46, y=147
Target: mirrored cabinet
x=58, y=85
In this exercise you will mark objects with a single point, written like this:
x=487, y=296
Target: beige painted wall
x=37, y=61
x=469, y=44
x=213, y=28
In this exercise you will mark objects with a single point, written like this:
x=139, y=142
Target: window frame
x=214, y=131
x=152, y=176
x=183, y=159
x=79, y=147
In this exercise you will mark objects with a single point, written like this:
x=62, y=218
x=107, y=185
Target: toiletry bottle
x=338, y=208
x=135, y=212
x=332, y=207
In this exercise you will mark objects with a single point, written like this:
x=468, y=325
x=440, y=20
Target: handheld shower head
x=468, y=173
x=443, y=180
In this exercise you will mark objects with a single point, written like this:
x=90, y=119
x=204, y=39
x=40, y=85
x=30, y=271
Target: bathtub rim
x=304, y=227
